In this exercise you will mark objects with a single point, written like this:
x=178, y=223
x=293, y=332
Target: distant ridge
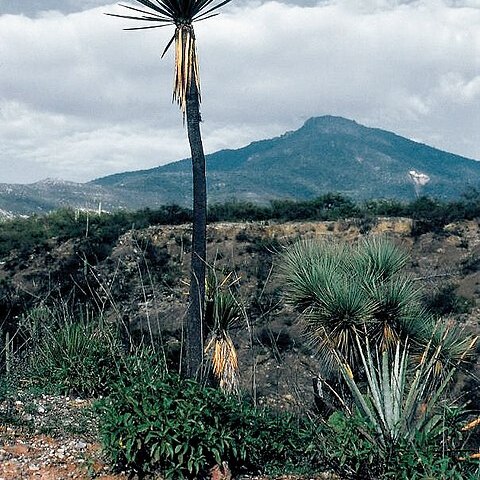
x=327, y=154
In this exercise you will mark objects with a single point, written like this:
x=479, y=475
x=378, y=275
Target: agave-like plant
x=186, y=92
x=222, y=312
x=348, y=291
x=399, y=405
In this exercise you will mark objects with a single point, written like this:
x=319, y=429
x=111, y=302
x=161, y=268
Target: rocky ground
x=50, y=438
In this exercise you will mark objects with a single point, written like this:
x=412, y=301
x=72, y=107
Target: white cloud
x=69, y=147
x=81, y=98
x=458, y=89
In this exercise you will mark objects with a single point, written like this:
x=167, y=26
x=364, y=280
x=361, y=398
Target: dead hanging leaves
x=186, y=65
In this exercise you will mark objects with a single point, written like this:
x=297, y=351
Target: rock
x=221, y=472
x=18, y=450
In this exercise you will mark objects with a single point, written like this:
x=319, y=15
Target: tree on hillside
x=186, y=92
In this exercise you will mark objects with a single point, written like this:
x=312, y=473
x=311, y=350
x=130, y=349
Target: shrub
x=342, y=290
x=79, y=357
x=331, y=206
x=445, y=301
x=235, y=211
x=163, y=424
x=405, y=416
x=98, y=232
x=430, y=215
x=346, y=450
x=385, y=208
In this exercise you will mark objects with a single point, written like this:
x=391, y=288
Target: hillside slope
x=141, y=281
x=327, y=154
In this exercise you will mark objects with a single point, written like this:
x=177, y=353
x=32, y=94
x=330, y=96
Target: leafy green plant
x=346, y=450
x=159, y=423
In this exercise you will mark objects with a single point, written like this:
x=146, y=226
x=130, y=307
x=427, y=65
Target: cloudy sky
x=81, y=98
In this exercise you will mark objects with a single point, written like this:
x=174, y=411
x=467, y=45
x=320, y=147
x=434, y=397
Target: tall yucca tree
x=186, y=92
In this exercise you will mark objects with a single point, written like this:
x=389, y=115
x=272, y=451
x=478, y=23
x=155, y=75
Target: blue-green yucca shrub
x=164, y=424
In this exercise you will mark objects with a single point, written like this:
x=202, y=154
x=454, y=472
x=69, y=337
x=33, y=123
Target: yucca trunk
x=186, y=92
x=193, y=329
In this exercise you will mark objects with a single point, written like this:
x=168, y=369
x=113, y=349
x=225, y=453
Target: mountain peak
x=327, y=154
x=330, y=124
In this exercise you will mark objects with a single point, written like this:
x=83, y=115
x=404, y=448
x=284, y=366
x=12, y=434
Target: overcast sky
x=81, y=98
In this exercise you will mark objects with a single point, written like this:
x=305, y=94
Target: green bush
x=163, y=424
x=75, y=357
x=234, y=211
x=331, y=206
x=348, y=452
x=445, y=301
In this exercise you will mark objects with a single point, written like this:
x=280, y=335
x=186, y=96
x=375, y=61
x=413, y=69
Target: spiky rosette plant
x=378, y=259
x=186, y=92
x=399, y=405
x=222, y=312
x=182, y=14
x=345, y=292
x=451, y=347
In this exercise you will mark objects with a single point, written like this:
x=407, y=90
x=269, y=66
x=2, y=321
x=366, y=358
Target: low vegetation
x=174, y=427
x=101, y=231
